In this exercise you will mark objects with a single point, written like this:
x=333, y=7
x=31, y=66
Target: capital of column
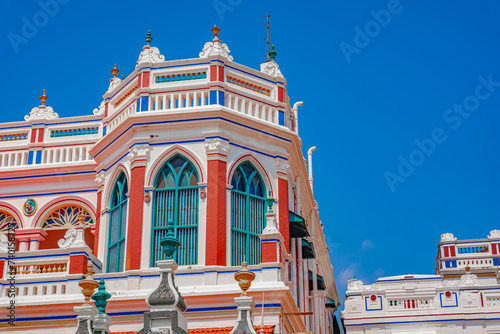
x=138, y=155
x=29, y=239
x=100, y=179
x=282, y=167
x=217, y=149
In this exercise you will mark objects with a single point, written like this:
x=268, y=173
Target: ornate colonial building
x=205, y=142
x=462, y=297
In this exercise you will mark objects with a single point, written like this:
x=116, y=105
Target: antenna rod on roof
x=267, y=39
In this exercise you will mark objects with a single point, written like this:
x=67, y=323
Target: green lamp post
x=170, y=242
x=101, y=296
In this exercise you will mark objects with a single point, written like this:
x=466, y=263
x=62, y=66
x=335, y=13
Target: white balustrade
x=475, y=263
x=251, y=108
x=493, y=302
x=65, y=154
x=414, y=303
x=121, y=116
x=14, y=159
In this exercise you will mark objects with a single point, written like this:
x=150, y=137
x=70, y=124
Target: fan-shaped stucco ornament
x=215, y=47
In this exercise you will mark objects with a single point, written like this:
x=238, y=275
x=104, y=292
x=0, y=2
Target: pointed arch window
x=247, y=214
x=176, y=197
x=117, y=225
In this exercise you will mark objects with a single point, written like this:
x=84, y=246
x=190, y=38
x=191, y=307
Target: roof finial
x=114, y=71
x=215, y=31
x=244, y=278
x=273, y=54
x=43, y=98
x=148, y=38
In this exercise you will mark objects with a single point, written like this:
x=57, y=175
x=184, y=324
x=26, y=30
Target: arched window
x=69, y=216
x=117, y=225
x=7, y=222
x=176, y=198
x=247, y=214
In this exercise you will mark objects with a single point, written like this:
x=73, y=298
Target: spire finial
x=267, y=39
x=148, y=38
x=122, y=77
x=467, y=268
x=101, y=296
x=273, y=54
x=43, y=98
x=114, y=71
x=215, y=31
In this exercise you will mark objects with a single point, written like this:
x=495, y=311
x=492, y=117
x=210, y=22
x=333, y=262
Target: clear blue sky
x=362, y=111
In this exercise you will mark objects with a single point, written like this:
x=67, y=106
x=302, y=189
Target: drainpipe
x=310, y=165
x=295, y=114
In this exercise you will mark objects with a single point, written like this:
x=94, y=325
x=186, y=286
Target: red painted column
x=138, y=157
x=217, y=149
x=283, y=211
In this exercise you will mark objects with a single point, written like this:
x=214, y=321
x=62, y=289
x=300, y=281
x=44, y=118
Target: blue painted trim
x=221, y=98
x=194, y=120
x=409, y=279
x=43, y=175
x=38, y=157
x=27, y=127
x=93, y=120
x=158, y=68
x=104, y=130
x=269, y=155
x=441, y=300
x=375, y=309
x=419, y=321
x=281, y=117
x=56, y=193
x=144, y=103
x=212, y=97
x=30, y=158
x=253, y=75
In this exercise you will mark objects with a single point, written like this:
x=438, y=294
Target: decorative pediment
x=448, y=237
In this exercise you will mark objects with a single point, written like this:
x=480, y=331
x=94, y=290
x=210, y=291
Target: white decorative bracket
x=74, y=237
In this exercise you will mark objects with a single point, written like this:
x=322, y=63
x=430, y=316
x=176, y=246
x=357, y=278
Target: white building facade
x=463, y=296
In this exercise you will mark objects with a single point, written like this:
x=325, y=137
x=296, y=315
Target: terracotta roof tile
x=218, y=330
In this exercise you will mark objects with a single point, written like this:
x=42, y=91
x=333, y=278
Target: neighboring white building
x=463, y=296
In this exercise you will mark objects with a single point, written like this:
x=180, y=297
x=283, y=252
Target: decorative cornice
x=41, y=112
